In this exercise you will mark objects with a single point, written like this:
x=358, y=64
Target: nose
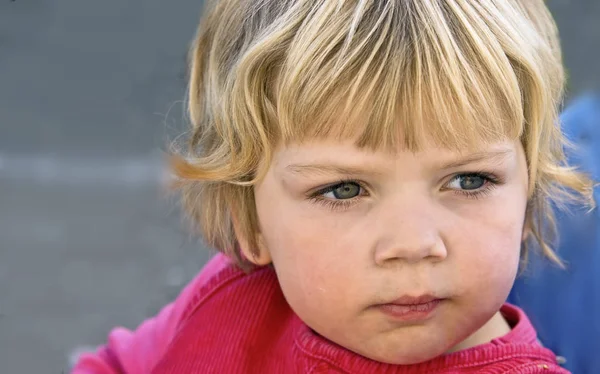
x=410, y=232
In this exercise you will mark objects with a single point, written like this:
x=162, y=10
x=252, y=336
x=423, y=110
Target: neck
x=496, y=327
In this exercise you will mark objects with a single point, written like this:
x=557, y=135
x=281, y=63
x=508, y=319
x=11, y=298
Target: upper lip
x=414, y=300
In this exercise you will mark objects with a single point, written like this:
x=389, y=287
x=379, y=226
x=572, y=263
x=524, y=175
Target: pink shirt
x=226, y=321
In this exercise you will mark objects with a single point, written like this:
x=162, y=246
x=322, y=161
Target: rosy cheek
x=496, y=261
x=313, y=255
x=486, y=245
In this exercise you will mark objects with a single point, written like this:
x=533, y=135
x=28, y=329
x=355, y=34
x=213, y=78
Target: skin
x=420, y=223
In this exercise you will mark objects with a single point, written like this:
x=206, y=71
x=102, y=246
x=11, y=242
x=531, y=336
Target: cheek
x=314, y=257
x=292, y=239
x=495, y=261
x=491, y=243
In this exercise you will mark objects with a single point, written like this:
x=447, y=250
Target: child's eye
x=342, y=191
x=340, y=196
x=472, y=184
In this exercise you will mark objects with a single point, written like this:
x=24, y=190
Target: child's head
x=372, y=150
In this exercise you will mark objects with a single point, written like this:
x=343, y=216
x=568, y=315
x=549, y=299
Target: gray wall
x=90, y=91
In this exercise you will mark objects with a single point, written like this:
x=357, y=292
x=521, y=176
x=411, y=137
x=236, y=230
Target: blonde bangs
x=391, y=74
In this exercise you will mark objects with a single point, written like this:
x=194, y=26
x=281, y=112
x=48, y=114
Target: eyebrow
x=329, y=169
x=489, y=156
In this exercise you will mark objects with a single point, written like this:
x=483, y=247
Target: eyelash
x=491, y=182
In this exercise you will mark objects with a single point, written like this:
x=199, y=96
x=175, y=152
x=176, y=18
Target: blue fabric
x=564, y=305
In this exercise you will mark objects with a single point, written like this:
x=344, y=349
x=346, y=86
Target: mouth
x=411, y=309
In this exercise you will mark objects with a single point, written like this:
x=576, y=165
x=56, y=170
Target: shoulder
x=221, y=281
x=232, y=320
x=217, y=273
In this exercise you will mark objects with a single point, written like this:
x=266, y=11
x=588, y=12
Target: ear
x=525, y=235
x=256, y=253
x=526, y=231
x=527, y=222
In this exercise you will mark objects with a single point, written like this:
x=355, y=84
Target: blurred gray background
x=90, y=93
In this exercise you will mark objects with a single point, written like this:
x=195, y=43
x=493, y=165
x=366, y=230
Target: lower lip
x=411, y=312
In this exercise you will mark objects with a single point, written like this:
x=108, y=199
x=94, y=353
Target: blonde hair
x=461, y=72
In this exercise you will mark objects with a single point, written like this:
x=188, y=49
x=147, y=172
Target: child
x=369, y=170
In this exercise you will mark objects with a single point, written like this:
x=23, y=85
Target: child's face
x=349, y=230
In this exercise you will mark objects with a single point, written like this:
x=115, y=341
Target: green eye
x=343, y=191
